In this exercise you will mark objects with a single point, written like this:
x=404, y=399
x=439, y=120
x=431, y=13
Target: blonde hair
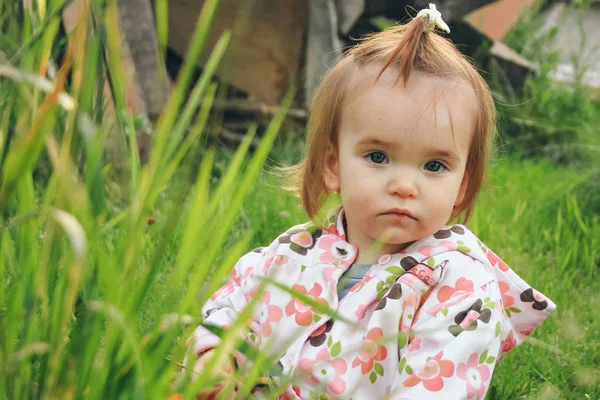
x=405, y=48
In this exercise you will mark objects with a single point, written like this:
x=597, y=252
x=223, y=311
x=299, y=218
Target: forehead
x=429, y=109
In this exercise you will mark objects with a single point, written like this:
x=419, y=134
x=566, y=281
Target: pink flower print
x=328, y=275
x=233, y=276
x=303, y=312
x=496, y=261
x=303, y=239
x=325, y=370
x=370, y=351
x=326, y=243
x=269, y=313
x=475, y=375
x=287, y=396
x=412, y=312
x=250, y=294
x=229, y=287
x=432, y=373
x=361, y=311
x=336, y=251
x=279, y=261
x=296, y=390
x=470, y=318
x=412, y=301
x=460, y=286
x=506, y=299
x=300, y=240
x=224, y=291
x=317, y=338
x=508, y=344
x=319, y=330
x=526, y=332
x=246, y=283
x=246, y=275
x=266, y=265
x=332, y=229
x=450, y=296
x=446, y=245
x=424, y=344
x=414, y=344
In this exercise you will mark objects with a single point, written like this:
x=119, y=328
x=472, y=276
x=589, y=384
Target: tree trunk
x=137, y=24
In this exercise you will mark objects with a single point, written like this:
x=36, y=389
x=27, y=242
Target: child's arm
x=457, y=335
x=224, y=369
x=223, y=307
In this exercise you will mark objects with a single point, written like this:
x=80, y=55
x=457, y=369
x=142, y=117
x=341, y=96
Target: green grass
x=94, y=301
x=546, y=118
x=531, y=218
x=97, y=303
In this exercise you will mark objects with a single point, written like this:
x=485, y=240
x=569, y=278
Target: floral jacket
x=428, y=322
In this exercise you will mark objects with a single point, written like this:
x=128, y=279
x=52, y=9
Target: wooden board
x=496, y=19
x=267, y=41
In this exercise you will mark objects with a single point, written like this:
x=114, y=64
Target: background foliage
x=105, y=262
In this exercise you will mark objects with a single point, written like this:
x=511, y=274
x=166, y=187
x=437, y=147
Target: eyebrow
x=375, y=142
x=385, y=144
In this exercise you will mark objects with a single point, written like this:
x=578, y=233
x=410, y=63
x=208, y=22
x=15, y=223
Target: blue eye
x=435, y=166
x=377, y=157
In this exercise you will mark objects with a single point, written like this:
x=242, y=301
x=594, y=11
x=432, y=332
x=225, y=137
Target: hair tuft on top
x=410, y=37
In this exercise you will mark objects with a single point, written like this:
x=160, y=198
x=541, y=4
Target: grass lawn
x=105, y=263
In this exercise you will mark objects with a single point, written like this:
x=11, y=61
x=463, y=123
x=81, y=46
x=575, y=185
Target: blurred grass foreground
x=105, y=261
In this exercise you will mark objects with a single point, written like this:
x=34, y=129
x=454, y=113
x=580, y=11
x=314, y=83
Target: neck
x=369, y=250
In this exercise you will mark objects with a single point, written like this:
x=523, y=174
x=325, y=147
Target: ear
x=331, y=171
x=460, y=197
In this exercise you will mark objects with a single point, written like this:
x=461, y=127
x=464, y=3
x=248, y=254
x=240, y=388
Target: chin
x=400, y=240
x=398, y=236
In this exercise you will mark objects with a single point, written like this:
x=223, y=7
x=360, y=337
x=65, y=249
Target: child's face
x=402, y=155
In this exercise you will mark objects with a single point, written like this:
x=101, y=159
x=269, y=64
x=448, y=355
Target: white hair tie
x=434, y=18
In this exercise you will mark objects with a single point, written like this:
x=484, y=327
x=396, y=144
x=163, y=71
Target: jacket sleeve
x=455, y=336
x=225, y=304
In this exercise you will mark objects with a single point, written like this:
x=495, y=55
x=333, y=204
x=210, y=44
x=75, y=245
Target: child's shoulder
x=302, y=235
x=453, y=247
x=453, y=238
x=299, y=234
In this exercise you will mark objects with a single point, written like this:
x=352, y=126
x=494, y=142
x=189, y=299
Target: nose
x=403, y=184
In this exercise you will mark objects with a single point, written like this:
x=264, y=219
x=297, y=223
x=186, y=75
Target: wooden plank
x=496, y=19
x=266, y=47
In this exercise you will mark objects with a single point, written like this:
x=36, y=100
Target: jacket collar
x=416, y=252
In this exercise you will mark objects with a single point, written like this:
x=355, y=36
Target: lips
x=399, y=212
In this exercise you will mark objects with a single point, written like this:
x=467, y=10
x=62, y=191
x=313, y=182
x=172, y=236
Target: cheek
x=441, y=204
x=359, y=199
